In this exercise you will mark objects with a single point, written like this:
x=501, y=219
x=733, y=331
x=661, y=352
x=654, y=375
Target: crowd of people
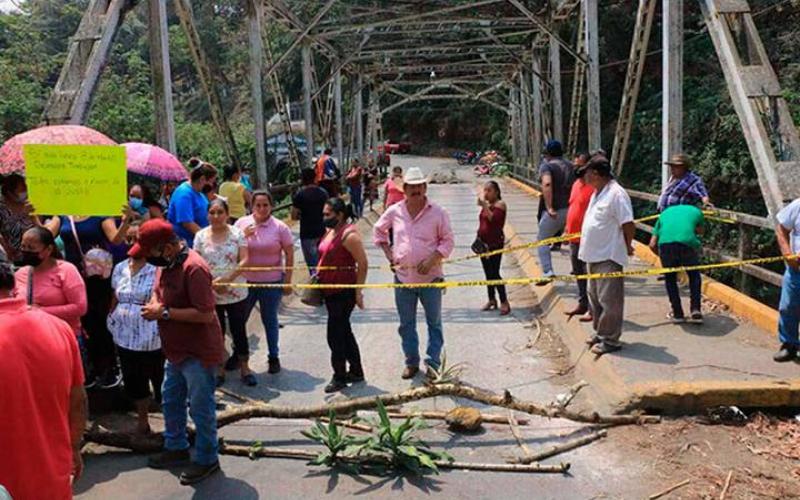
x=144, y=299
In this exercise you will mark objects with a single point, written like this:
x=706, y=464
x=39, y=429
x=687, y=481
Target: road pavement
x=497, y=357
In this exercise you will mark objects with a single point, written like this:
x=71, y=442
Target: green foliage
x=445, y=373
x=390, y=449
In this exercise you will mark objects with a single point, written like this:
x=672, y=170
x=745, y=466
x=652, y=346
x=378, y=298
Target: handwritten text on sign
x=76, y=180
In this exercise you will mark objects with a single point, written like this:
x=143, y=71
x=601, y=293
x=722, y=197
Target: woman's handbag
x=479, y=246
x=312, y=296
x=97, y=261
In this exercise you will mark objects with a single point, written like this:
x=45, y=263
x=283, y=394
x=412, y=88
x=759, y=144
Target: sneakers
x=274, y=366
x=335, y=386
x=788, y=352
x=676, y=320
x=605, y=348
x=696, y=318
x=547, y=278
x=110, y=379
x=196, y=472
x=168, y=458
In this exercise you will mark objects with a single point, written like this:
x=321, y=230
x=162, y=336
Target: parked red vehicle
x=397, y=147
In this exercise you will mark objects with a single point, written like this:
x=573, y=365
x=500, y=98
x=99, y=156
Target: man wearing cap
x=183, y=303
x=556, y=175
x=422, y=239
x=684, y=186
x=788, y=235
x=606, y=242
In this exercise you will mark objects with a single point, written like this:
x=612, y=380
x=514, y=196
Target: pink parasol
x=152, y=161
x=11, y=159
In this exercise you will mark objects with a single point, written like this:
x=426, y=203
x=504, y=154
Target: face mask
x=135, y=203
x=208, y=188
x=330, y=222
x=30, y=259
x=22, y=197
x=159, y=261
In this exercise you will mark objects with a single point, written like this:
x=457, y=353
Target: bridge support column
x=359, y=117
x=593, y=80
x=308, y=115
x=337, y=96
x=161, y=76
x=555, y=91
x=672, y=91
x=256, y=70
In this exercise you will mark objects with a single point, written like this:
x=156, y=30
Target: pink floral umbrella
x=153, y=161
x=11, y=159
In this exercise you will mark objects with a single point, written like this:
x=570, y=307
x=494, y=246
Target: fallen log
x=440, y=415
x=561, y=448
x=255, y=409
x=251, y=452
x=505, y=400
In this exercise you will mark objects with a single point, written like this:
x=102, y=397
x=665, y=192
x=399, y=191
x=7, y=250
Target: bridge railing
x=746, y=224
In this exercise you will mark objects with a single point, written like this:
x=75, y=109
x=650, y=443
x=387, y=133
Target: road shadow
x=292, y=380
x=219, y=485
x=646, y=352
x=105, y=467
x=715, y=325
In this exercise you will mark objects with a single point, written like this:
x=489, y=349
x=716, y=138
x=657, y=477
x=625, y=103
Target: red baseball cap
x=151, y=234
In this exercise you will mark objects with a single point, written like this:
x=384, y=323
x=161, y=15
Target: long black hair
x=340, y=207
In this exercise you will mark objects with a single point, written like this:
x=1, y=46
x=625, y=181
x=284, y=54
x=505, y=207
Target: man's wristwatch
x=165, y=314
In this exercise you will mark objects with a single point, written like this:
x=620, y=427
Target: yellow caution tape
x=524, y=246
x=524, y=281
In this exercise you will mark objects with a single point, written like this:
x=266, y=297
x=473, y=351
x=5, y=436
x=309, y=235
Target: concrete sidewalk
x=662, y=367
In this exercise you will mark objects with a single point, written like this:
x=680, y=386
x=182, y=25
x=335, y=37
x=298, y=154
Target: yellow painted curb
x=680, y=397
x=761, y=315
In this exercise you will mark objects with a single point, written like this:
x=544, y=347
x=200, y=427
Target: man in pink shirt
x=43, y=399
x=422, y=239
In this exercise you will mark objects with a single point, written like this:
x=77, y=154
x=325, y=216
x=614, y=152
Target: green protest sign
x=76, y=180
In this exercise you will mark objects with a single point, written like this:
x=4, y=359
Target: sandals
x=489, y=306
x=505, y=309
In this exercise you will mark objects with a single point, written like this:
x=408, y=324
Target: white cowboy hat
x=414, y=176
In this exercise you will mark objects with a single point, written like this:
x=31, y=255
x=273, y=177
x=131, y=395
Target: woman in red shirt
x=579, y=199
x=341, y=248
x=491, y=220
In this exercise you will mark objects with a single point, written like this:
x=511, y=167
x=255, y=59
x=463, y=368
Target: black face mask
x=330, y=222
x=159, y=261
x=30, y=259
x=208, y=188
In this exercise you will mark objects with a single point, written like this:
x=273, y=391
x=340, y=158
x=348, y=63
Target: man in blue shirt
x=188, y=207
x=788, y=235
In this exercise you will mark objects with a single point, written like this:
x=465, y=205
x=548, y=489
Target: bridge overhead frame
x=505, y=54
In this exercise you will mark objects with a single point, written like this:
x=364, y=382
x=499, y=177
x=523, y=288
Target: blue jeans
x=406, y=301
x=269, y=300
x=356, y=200
x=789, y=308
x=549, y=227
x=310, y=248
x=190, y=381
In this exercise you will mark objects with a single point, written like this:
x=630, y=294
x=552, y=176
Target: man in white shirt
x=606, y=242
x=788, y=235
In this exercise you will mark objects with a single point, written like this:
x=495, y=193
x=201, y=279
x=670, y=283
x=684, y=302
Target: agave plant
x=445, y=374
x=339, y=446
x=403, y=449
